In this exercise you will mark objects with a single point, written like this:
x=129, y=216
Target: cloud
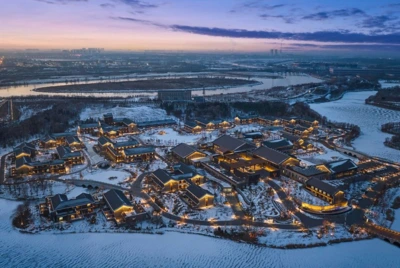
x=63, y=2
x=107, y=5
x=286, y=19
x=137, y=4
x=324, y=15
x=146, y=22
x=320, y=36
x=353, y=47
x=377, y=21
x=258, y=5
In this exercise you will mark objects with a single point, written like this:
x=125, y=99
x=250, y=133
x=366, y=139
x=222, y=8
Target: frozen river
x=173, y=250
x=264, y=83
x=352, y=109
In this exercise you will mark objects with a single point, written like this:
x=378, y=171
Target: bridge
x=386, y=234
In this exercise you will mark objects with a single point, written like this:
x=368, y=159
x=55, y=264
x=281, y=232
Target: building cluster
x=241, y=162
x=185, y=179
x=126, y=151
x=113, y=127
x=67, y=153
x=114, y=204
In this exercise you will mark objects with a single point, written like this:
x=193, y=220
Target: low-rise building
x=25, y=166
x=120, y=206
x=282, y=145
x=325, y=191
x=186, y=153
x=227, y=145
x=197, y=197
x=70, y=157
x=89, y=128
x=340, y=168
x=25, y=149
x=60, y=208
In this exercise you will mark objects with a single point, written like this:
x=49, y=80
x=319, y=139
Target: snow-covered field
x=389, y=84
x=136, y=113
x=106, y=176
x=326, y=155
x=170, y=137
x=173, y=250
x=352, y=109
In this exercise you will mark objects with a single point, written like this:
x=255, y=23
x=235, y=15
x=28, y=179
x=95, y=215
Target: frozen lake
x=173, y=250
x=352, y=109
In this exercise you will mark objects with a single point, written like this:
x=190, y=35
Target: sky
x=209, y=25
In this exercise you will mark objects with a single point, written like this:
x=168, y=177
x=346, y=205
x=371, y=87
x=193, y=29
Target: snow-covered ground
x=325, y=155
x=169, y=137
x=27, y=112
x=136, y=113
x=389, y=84
x=264, y=206
x=107, y=176
x=174, y=250
x=352, y=109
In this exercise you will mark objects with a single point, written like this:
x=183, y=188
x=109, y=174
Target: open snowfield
x=136, y=113
x=106, y=176
x=352, y=109
x=389, y=84
x=169, y=137
x=173, y=250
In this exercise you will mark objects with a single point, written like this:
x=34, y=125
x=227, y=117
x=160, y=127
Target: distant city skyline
x=197, y=25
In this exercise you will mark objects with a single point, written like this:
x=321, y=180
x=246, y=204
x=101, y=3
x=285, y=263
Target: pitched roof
x=22, y=161
x=228, y=143
x=289, y=136
x=161, y=177
x=126, y=143
x=65, y=152
x=278, y=144
x=61, y=201
x=191, y=124
x=103, y=140
x=307, y=171
x=72, y=139
x=323, y=186
x=156, y=123
x=89, y=125
x=271, y=155
x=139, y=150
x=116, y=199
x=196, y=193
x=183, y=150
x=341, y=165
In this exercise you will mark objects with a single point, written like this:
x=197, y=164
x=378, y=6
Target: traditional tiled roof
x=271, y=155
x=61, y=201
x=341, y=166
x=228, y=143
x=116, y=199
x=139, y=151
x=278, y=144
x=183, y=150
x=323, y=186
x=65, y=152
x=104, y=140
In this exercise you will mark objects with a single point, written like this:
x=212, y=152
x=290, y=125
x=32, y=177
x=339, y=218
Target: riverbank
x=353, y=109
x=149, y=85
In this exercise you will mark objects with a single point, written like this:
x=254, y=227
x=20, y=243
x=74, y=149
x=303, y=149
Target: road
x=291, y=206
x=3, y=168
